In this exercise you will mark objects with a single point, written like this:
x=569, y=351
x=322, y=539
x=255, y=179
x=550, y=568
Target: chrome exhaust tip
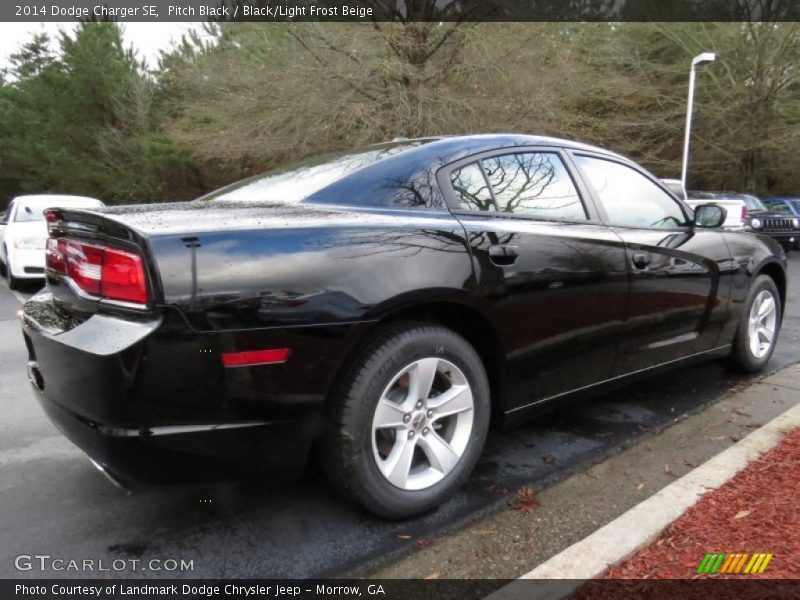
x=108, y=475
x=35, y=376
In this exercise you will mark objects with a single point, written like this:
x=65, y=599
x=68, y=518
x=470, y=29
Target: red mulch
x=769, y=488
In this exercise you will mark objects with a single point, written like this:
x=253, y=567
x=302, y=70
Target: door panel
x=558, y=291
x=677, y=302
x=675, y=307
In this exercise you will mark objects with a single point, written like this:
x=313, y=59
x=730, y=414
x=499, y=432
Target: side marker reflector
x=255, y=357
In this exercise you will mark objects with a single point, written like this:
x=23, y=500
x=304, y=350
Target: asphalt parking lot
x=54, y=503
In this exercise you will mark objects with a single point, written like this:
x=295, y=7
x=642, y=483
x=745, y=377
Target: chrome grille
x=777, y=224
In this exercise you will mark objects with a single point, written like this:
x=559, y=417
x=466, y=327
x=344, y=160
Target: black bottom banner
x=397, y=589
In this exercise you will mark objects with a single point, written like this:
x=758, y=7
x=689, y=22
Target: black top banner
x=400, y=10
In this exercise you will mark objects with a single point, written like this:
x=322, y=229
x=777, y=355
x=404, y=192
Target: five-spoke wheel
x=422, y=423
x=410, y=422
x=759, y=323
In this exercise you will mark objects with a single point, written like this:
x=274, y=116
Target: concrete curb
x=631, y=531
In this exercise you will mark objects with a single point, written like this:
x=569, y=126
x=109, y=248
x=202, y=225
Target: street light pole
x=700, y=59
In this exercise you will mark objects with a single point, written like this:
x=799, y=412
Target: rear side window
x=533, y=184
x=471, y=188
x=629, y=198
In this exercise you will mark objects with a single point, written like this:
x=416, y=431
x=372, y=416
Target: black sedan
x=382, y=306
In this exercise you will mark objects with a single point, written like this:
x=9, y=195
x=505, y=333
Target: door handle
x=641, y=260
x=503, y=254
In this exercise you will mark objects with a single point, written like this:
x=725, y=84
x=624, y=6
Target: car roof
x=400, y=172
x=405, y=174
x=477, y=143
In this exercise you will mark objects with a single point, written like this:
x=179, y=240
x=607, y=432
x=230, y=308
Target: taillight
x=123, y=276
x=85, y=266
x=744, y=214
x=55, y=255
x=99, y=270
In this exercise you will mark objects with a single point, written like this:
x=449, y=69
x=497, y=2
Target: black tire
x=787, y=246
x=741, y=353
x=13, y=282
x=347, y=451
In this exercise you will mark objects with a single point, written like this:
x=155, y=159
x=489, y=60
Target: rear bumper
x=134, y=458
x=151, y=402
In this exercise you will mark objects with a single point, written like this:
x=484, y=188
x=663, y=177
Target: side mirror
x=709, y=216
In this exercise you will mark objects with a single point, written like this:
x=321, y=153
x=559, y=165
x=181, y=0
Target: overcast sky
x=147, y=38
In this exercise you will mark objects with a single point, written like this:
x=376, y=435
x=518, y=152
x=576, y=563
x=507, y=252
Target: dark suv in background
x=776, y=221
x=785, y=205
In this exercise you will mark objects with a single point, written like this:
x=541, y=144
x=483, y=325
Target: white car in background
x=23, y=233
x=735, y=206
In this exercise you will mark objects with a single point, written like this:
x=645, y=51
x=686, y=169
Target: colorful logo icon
x=740, y=563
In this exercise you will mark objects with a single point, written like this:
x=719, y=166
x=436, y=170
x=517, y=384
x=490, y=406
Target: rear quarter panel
x=353, y=269
x=317, y=290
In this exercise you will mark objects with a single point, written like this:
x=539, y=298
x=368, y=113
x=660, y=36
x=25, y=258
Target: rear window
x=299, y=181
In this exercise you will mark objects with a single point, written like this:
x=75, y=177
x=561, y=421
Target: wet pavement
x=53, y=501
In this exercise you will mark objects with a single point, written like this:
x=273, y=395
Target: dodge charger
x=382, y=307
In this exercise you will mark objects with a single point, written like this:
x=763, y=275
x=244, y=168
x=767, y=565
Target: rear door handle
x=641, y=260
x=503, y=254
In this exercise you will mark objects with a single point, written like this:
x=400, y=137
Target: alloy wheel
x=422, y=423
x=761, y=323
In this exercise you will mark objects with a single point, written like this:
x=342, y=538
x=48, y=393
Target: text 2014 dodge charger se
x=382, y=305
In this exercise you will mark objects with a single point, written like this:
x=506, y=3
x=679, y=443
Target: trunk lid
x=142, y=230
x=203, y=216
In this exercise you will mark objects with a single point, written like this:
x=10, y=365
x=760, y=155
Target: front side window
x=629, y=198
x=534, y=184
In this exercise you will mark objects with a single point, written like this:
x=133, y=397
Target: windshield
x=753, y=204
x=299, y=181
x=26, y=213
x=781, y=209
